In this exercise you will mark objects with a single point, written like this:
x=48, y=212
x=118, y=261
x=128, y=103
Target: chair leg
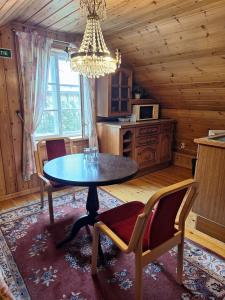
x=50, y=206
x=95, y=245
x=138, y=276
x=42, y=193
x=180, y=256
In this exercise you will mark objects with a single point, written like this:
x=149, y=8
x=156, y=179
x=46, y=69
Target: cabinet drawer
x=166, y=128
x=147, y=140
x=141, y=131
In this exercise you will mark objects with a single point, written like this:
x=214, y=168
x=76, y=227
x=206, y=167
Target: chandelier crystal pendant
x=93, y=59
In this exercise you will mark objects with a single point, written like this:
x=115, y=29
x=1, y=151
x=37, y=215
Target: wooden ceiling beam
x=172, y=10
x=62, y=13
x=25, y=12
x=47, y=11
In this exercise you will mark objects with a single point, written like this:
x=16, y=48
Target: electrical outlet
x=182, y=145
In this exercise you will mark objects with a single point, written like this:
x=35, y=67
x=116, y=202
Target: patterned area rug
x=35, y=269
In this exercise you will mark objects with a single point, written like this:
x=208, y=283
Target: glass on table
x=91, y=154
x=94, y=153
x=87, y=153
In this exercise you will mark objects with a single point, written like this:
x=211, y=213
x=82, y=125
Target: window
x=63, y=110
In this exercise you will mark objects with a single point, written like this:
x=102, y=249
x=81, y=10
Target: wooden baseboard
x=213, y=229
x=19, y=194
x=182, y=160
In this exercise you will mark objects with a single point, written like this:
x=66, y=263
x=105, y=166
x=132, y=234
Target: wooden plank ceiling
x=176, y=48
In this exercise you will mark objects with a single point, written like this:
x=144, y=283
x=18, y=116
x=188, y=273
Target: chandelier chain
x=93, y=8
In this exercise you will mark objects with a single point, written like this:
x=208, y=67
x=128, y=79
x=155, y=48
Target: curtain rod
x=54, y=40
x=72, y=37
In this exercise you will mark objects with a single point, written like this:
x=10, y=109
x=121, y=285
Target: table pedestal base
x=81, y=222
x=92, y=207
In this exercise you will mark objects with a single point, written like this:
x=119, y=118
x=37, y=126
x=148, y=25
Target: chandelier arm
x=94, y=8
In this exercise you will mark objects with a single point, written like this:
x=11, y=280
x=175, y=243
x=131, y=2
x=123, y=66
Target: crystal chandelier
x=93, y=59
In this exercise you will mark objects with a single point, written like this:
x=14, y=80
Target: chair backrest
x=51, y=148
x=55, y=148
x=160, y=212
x=163, y=220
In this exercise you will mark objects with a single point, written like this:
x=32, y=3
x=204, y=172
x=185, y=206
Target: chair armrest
x=117, y=240
x=46, y=181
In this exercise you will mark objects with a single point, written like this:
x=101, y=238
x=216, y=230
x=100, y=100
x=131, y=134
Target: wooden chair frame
x=136, y=241
x=45, y=184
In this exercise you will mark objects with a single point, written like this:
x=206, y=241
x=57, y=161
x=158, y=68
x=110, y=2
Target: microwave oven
x=144, y=112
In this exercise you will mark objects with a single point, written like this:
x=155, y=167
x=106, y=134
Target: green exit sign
x=6, y=53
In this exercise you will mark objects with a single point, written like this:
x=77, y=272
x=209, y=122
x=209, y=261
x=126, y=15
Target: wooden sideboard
x=149, y=142
x=210, y=174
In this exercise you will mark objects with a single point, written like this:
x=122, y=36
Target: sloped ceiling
x=176, y=48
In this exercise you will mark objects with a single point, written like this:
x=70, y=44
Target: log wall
x=11, y=181
x=176, y=49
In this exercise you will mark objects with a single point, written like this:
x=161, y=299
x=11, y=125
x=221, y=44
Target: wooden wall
x=10, y=129
x=177, y=52
x=11, y=181
x=193, y=123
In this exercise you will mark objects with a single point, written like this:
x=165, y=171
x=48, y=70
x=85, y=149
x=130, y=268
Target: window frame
x=56, y=53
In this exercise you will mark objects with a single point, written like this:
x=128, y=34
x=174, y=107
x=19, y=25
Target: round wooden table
x=77, y=170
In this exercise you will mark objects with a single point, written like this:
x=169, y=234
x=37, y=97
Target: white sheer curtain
x=89, y=110
x=33, y=57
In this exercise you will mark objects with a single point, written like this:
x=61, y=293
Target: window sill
x=78, y=139
x=74, y=139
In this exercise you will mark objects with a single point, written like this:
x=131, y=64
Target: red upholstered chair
x=48, y=149
x=148, y=230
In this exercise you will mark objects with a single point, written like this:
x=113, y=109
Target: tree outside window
x=62, y=114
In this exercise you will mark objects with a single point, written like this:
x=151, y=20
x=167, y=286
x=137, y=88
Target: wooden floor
x=141, y=189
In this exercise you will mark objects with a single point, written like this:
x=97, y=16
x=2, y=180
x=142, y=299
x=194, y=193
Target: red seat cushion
x=121, y=220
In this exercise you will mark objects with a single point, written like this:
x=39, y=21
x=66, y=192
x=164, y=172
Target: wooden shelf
x=143, y=101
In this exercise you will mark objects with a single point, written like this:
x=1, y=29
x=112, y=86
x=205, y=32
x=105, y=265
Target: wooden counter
x=147, y=142
x=136, y=124
x=215, y=141
x=210, y=173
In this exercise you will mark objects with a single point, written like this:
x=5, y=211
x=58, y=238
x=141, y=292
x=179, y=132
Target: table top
x=76, y=170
